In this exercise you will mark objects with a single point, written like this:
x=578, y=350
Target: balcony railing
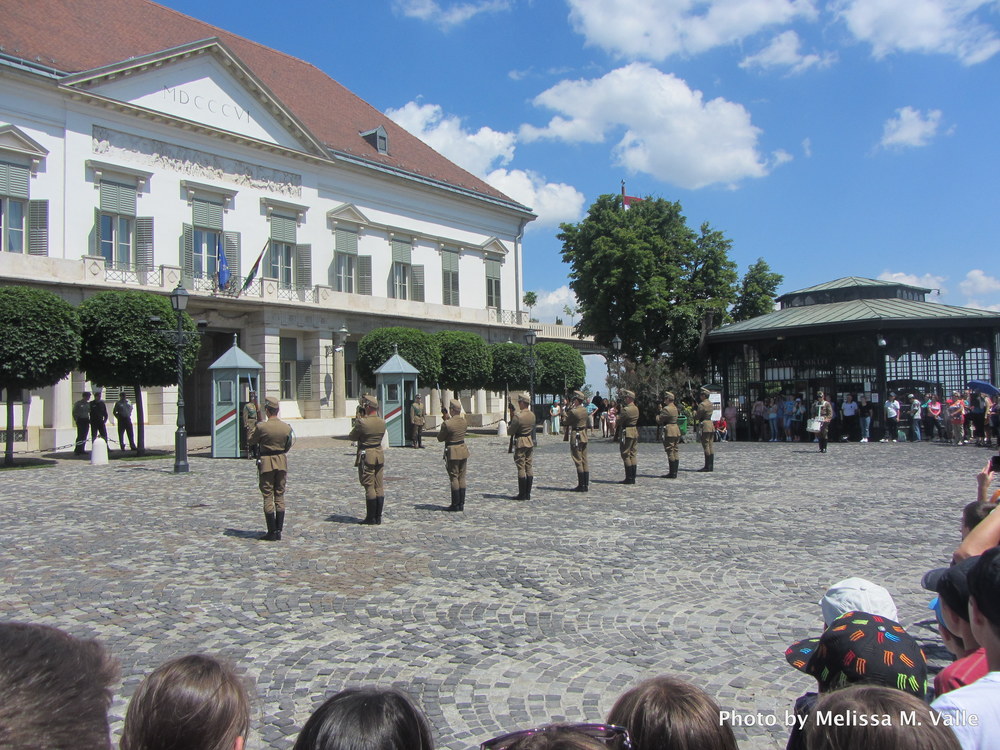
x=507, y=317
x=127, y=273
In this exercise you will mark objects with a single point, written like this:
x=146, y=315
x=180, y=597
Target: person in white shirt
x=973, y=711
x=891, y=419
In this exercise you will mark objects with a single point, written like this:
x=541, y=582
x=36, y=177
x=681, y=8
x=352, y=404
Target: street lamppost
x=530, y=337
x=179, y=338
x=616, y=346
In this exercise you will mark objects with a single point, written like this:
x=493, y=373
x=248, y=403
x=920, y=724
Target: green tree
x=122, y=344
x=41, y=335
x=572, y=312
x=558, y=368
x=530, y=299
x=510, y=368
x=418, y=348
x=644, y=275
x=466, y=362
x=758, y=289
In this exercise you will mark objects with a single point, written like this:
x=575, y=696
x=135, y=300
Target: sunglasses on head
x=612, y=735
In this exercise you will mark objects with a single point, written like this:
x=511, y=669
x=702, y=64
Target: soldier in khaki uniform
x=703, y=415
x=272, y=440
x=418, y=417
x=251, y=415
x=823, y=409
x=522, y=429
x=367, y=433
x=456, y=453
x=671, y=433
x=575, y=431
x=627, y=434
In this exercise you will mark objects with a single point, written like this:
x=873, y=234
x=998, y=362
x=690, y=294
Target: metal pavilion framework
x=855, y=335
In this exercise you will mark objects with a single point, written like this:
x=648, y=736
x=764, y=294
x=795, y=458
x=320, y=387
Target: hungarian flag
x=222, y=263
x=253, y=269
x=628, y=200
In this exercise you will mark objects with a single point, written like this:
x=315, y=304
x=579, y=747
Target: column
x=339, y=375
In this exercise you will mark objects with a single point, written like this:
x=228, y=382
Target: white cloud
x=927, y=281
x=553, y=202
x=447, y=15
x=977, y=283
x=949, y=27
x=783, y=52
x=657, y=29
x=910, y=128
x=807, y=147
x=485, y=153
x=671, y=132
x=551, y=303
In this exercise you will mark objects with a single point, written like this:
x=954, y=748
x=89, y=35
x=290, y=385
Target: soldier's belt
x=269, y=452
x=457, y=442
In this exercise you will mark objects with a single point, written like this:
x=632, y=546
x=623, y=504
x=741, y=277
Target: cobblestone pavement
x=510, y=615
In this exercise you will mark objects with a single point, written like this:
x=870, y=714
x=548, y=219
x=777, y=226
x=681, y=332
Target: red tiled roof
x=73, y=36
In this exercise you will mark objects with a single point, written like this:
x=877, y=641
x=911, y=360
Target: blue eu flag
x=223, y=265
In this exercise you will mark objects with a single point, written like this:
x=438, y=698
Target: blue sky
x=830, y=137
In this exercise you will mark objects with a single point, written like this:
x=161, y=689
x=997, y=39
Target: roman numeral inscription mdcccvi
x=225, y=109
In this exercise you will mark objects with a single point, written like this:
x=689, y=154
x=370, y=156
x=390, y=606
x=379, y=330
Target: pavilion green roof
x=863, y=314
x=852, y=281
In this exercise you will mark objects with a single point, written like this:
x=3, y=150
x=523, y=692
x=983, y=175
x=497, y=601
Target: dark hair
x=366, y=719
x=875, y=717
x=975, y=512
x=559, y=738
x=55, y=689
x=664, y=713
x=195, y=702
x=984, y=586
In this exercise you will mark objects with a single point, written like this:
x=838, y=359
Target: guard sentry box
x=234, y=375
x=395, y=383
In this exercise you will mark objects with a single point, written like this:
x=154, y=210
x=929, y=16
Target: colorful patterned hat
x=859, y=647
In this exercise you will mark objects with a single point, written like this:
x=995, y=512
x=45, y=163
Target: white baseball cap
x=856, y=594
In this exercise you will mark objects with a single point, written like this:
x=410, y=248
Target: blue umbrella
x=983, y=386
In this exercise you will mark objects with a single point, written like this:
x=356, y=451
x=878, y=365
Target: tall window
x=280, y=263
x=400, y=279
x=288, y=351
x=449, y=278
x=116, y=223
x=290, y=264
x=205, y=244
x=493, y=283
x=406, y=281
x=13, y=206
x=345, y=260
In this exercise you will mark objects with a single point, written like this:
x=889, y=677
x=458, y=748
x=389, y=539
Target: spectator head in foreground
x=984, y=603
x=875, y=717
x=55, y=689
x=664, y=713
x=860, y=647
x=195, y=702
x=366, y=719
x=856, y=595
x=563, y=737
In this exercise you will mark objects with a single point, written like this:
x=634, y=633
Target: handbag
x=815, y=424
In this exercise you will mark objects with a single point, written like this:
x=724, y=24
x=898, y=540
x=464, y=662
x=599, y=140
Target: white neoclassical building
x=143, y=156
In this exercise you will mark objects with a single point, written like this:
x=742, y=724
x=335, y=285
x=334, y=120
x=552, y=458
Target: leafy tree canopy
x=466, y=361
x=758, y=289
x=41, y=333
x=558, y=368
x=645, y=275
x=122, y=346
x=510, y=366
x=418, y=348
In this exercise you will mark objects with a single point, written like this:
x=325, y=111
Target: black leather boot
x=520, y=488
x=279, y=524
x=673, y=469
x=379, y=504
x=270, y=535
x=461, y=498
x=454, y=501
x=630, y=474
x=627, y=475
x=586, y=481
x=579, y=482
x=369, y=511
x=527, y=487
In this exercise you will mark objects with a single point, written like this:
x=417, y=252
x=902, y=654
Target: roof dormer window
x=378, y=139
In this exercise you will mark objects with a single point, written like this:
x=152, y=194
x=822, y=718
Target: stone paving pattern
x=510, y=615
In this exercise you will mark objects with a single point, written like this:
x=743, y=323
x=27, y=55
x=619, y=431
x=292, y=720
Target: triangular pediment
x=495, y=246
x=14, y=141
x=203, y=82
x=347, y=212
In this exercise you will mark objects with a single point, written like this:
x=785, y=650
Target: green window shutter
x=207, y=215
x=492, y=269
x=144, y=243
x=365, y=274
x=402, y=251
x=417, y=283
x=303, y=266
x=117, y=198
x=347, y=241
x=231, y=243
x=282, y=229
x=303, y=380
x=187, y=256
x=14, y=180
x=449, y=261
x=287, y=348
x=38, y=227
x=97, y=231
